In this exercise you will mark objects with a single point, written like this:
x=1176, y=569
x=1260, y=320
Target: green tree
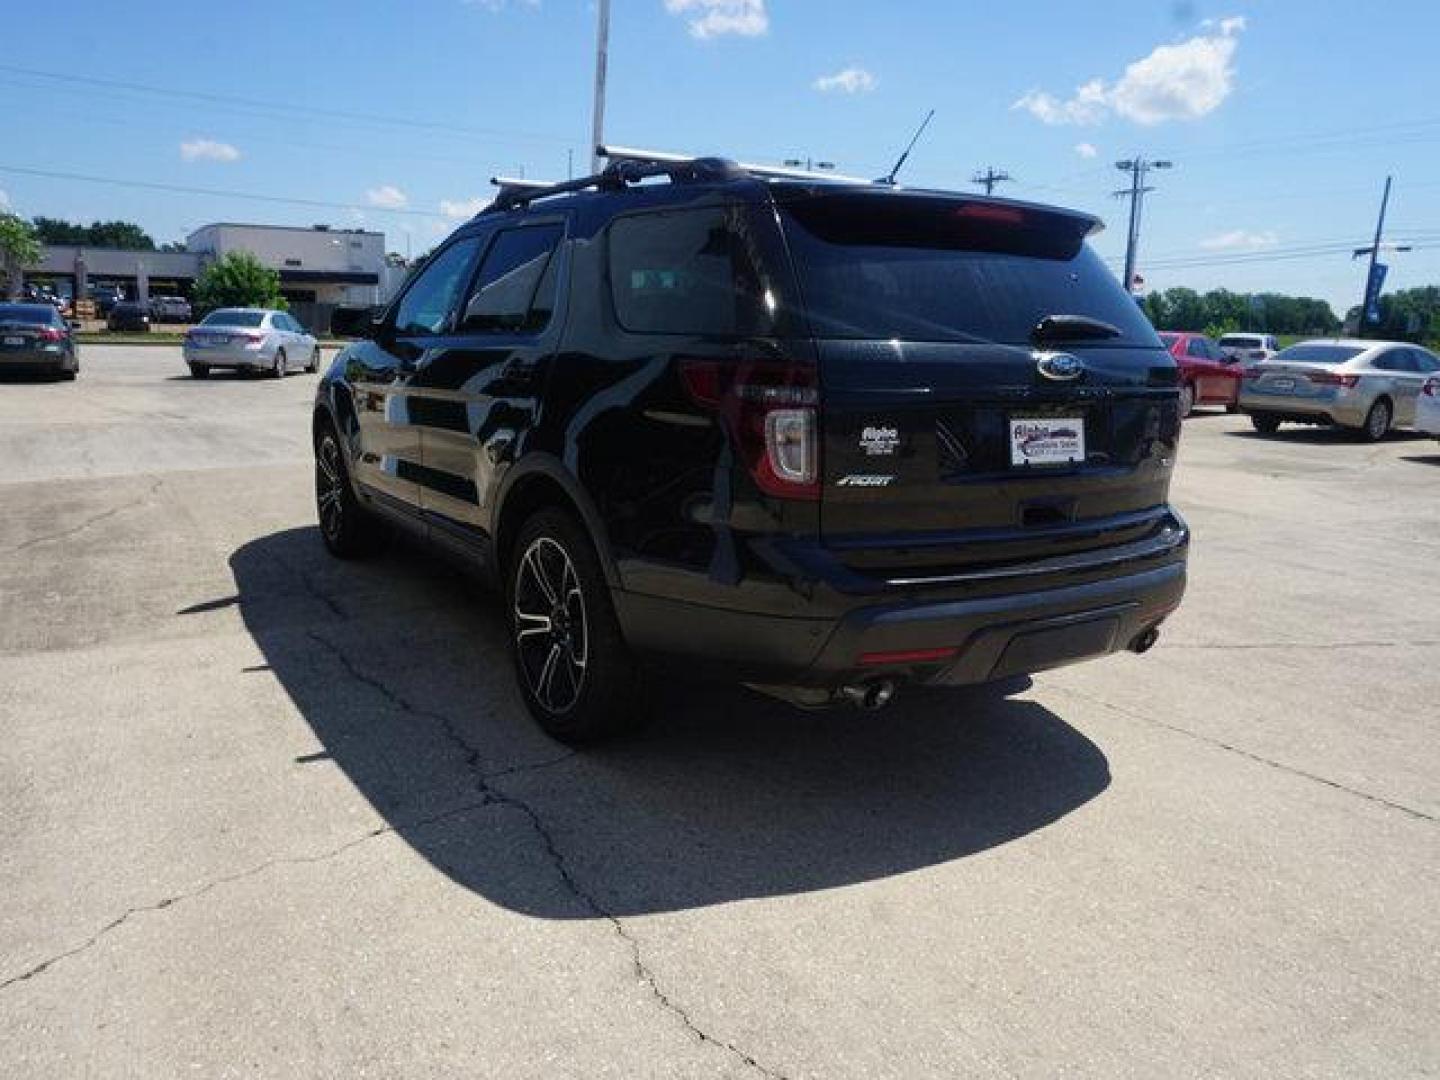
x=238, y=280
x=98, y=234
x=19, y=248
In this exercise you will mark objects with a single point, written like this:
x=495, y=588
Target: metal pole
x=1132, y=238
x=1374, y=257
x=602, y=50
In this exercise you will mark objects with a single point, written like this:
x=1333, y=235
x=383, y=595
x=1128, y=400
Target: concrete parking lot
x=263, y=813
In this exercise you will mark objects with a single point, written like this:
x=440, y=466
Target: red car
x=1207, y=376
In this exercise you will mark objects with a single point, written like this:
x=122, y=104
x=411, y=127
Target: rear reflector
x=906, y=656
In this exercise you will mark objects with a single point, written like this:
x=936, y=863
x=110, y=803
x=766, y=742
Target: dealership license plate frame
x=1046, y=441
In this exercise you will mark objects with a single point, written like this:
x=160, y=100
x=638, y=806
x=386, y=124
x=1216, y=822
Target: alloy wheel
x=330, y=487
x=1378, y=422
x=551, y=627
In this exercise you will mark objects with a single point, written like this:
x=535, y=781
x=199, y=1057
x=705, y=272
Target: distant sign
x=1372, y=292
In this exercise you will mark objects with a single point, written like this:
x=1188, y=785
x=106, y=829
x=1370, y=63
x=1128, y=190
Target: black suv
x=823, y=438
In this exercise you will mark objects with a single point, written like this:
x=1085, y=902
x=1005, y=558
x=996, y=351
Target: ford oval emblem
x=1059, y=365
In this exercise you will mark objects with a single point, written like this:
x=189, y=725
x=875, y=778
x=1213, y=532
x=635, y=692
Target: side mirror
x=355, y=322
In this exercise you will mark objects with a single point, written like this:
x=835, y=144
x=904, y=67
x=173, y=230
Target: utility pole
x=990, y=177
x=1137, y=167
x=602, y=53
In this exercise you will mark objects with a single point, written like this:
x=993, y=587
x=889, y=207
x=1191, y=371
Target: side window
x=1391, y=360
x=427, y=306
x=1428, y=363
x=507, y=293
x=1196, y=347
x=689, y=272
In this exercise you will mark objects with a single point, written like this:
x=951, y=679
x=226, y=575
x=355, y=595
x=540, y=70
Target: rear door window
x=923, y=268
x=504, y=297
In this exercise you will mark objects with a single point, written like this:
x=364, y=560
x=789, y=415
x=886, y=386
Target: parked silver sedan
x=1366, y=386
x=252, y=340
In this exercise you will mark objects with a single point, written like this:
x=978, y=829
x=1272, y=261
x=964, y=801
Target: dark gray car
x=34, y=337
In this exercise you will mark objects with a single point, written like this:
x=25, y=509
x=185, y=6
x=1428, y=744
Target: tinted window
x=233, y=318
x=1318, y=354
x=1241, y=341
x=1197, y=347
x=41, y=314
x=429, y=303
x=1425, y=361
x=948, y=270
x=692, y=272
x=505, y=289
x=1392, y=360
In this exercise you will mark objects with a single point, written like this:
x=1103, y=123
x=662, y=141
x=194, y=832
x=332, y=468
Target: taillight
x=1431, y=388
x=50, y=334
x=1326, y=378
x=770, y=410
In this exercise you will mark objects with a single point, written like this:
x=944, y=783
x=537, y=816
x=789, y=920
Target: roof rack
x=768, y=172
x=630, y=166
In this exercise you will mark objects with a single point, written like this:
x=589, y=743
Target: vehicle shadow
x=1311, y=433
x=400, y=668
x=1423, y=459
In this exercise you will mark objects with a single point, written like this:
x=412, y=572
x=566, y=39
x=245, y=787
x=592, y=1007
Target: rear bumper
x=36, y=360
x=962, y=639
x=1338, y=406
x=229, y=358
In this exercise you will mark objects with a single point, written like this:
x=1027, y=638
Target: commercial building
x=320, y=268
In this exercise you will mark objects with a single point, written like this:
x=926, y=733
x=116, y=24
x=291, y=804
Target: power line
x=183, y=189
x=278, y=106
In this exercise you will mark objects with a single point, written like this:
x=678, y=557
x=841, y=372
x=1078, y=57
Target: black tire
x=1232, y=409
x=69, y=374
x=1187, y=400
x=200, y=371
x=1377, y=421
x=347, y=528
x=1265, y=425
x=314, y=365
x=572, y=665
x=279, y=365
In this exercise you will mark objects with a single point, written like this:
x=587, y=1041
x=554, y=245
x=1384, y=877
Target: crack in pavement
x=1251, y=755
x=494, y=796
x=1417, y=643
x=228, y=879
x=104, y=515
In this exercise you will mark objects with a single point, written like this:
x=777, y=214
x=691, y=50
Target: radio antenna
x=889, y=178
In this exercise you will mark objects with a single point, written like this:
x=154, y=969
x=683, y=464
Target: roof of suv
x=695, y=179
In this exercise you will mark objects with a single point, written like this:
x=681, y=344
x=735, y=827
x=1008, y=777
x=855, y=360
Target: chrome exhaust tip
x=870, y=696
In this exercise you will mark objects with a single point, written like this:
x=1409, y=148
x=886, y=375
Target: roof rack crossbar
x=768, y=172
x=629, y=166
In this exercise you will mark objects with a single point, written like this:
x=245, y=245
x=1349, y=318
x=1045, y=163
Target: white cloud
x=460, y=209
x=208, y=150
x=387, y=197
x=1085, y=149
x=852, y=80
x=714, y=18
x=1240, y=240
x=4, y=199
x=1174, y=82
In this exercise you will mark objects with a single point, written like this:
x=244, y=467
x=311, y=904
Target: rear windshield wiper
x=1071, y=328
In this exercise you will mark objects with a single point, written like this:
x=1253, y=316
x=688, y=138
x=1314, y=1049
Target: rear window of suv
x=931, y=269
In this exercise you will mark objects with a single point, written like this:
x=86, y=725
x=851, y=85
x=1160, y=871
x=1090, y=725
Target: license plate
x=1282, y=384
x=13, y=341
x=1057, y=440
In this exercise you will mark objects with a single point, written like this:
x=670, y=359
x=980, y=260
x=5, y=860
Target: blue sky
x=1282, y=116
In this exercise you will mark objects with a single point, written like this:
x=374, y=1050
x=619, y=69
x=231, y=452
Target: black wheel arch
x=536, y=481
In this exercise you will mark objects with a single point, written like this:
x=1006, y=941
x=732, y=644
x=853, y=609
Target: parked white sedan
x=1427, y=407
x=250, y=339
